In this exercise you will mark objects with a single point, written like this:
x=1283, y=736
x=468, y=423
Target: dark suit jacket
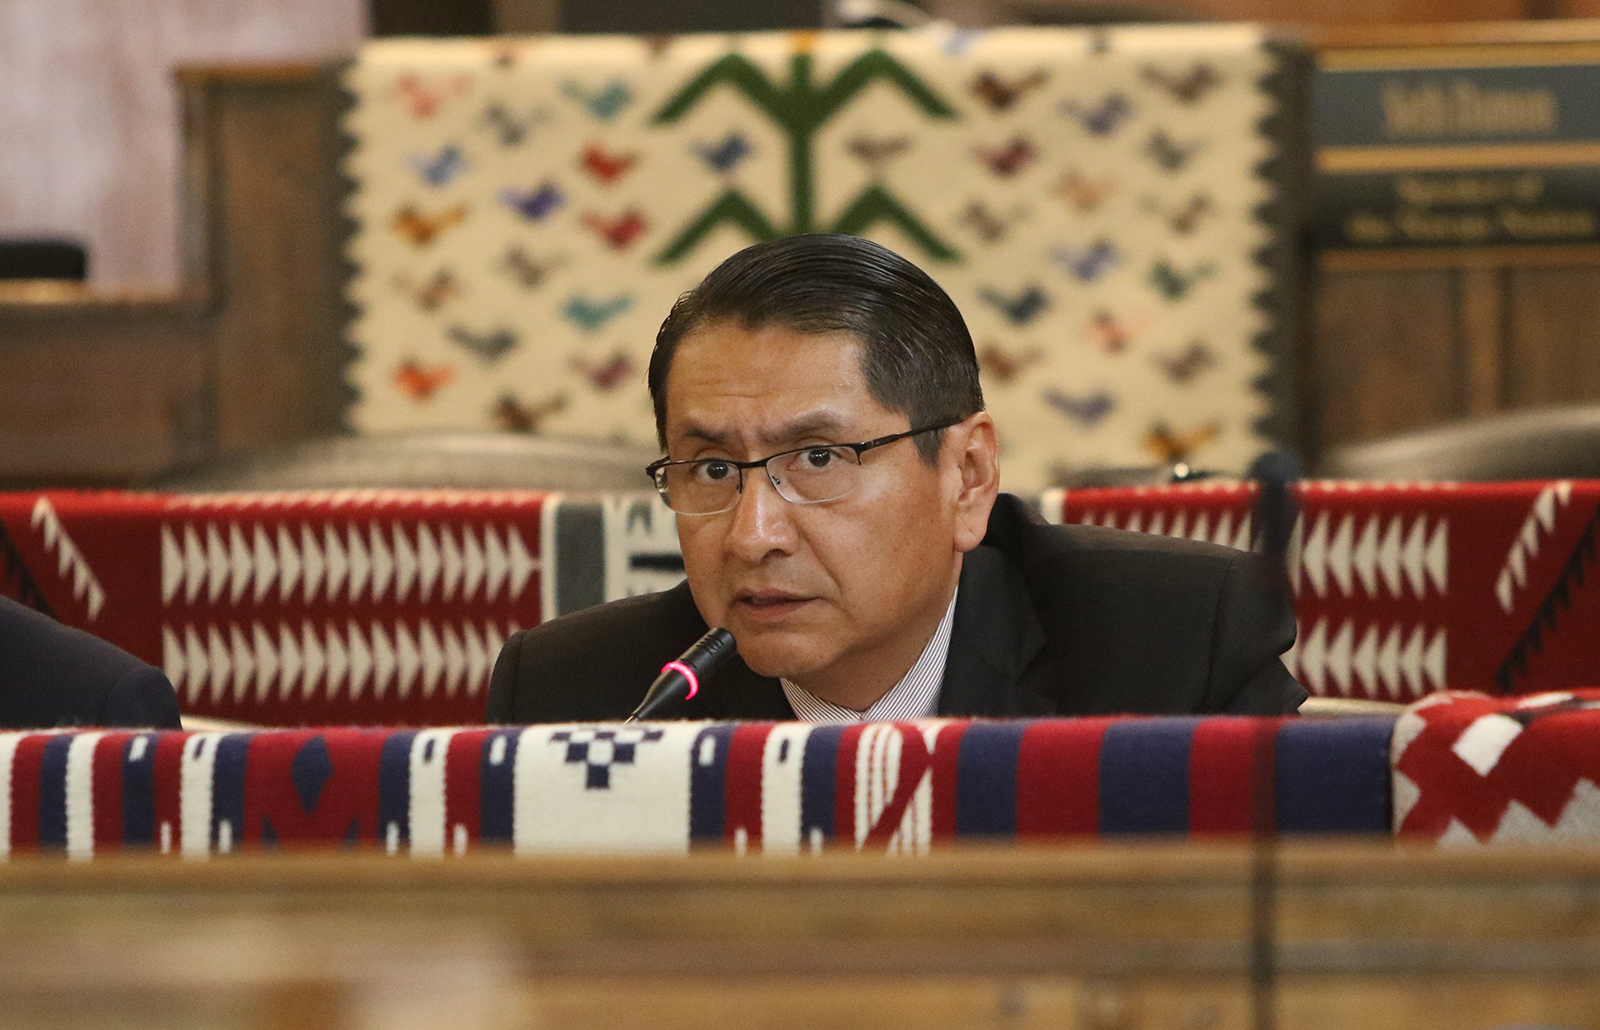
x=53, y=675
x=1050, y=620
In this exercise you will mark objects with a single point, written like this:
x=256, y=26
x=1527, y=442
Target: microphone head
x=680, y=678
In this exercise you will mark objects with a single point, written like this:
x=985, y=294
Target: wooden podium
x=1182, y=936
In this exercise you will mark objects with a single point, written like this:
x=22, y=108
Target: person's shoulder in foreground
x=1050, y=620
x=54, y=675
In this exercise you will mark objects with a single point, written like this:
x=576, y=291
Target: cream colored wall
x=89, y=134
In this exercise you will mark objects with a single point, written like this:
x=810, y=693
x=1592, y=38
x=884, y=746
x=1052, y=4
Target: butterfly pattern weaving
x=526, y=210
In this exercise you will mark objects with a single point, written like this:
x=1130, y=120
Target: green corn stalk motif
x=800, y=108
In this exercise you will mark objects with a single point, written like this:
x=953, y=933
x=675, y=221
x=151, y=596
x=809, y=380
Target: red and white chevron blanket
x=387, y=607
x=1471, y=769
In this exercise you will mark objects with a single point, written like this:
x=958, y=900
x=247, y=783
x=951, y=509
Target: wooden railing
x=1113, y=936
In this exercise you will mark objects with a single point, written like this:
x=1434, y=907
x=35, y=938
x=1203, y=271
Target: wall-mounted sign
x=1458, y=151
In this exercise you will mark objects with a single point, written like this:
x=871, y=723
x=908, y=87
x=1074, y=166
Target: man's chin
x=777, y=654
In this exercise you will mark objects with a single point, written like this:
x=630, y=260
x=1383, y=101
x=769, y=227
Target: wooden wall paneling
x=90, y=124
x=1484, y=311
x=1554, y=328
x=264, y=140
x=103, y=392
x=1385, y=355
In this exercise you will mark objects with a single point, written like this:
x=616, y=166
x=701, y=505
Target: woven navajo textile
x=665, y=787
x=1402, y=589
x=355, y=607
x=366, y=607
x=1471, y=769
x=388, y=607
x=1100, y=204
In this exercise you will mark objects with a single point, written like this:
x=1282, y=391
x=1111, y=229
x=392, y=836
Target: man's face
x=824, y=594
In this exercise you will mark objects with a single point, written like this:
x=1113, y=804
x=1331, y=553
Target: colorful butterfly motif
x=1175, y=285
x=1002, y=366
x=1087, y=411
x=1169, y=154
x=1086, y=263
x=590, y=315
x=1186, y=219
x=511, y=415
x=1170, y=446
x=725, y=154
x=536, y=204
x=431, y=294
x=1100, y=119
x=1186, y=365
x=986, y=224
x=657, y=45
x=422, y=229
x=1010, y=159
x=488, y=348
x=422, y=99
x=530, y=272
x=604, y=375
x=1111, y=334
x=606, y=168
x=1001, y=95
x=513, y=131
x=1084, y=193
x=439, y=169
x=604, y=103
x=875, y=152
x=1021, y=309
x=505, y=54
x=1186, y=87
x=1099, y=41
x=419, y=381
x=618, y=232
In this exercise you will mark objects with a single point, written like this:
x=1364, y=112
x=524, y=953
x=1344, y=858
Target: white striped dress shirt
x=916, y=696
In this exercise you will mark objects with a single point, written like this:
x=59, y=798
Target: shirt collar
x=916, y=696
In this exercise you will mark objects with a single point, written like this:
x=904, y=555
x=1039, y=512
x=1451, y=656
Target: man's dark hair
x=916, y=354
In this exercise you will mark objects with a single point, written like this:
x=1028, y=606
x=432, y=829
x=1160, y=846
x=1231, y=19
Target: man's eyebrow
x=694, y=432
x=811, y=423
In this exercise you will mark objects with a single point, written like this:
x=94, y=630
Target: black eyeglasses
x=805, y=475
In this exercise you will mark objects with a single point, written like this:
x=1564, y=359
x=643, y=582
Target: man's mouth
x=769, y=605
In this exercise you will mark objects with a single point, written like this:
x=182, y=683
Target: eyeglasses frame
x=661, y=464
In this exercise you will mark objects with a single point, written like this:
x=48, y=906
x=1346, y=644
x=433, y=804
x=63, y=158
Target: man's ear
x=971, y=455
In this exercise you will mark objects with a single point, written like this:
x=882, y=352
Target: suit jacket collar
x=996, y=635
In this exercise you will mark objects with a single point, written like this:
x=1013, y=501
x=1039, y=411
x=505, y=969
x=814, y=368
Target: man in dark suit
x=886, y=576
x=54, y=675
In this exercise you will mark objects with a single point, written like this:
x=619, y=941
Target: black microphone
x=680, y=678
x=1276, y=472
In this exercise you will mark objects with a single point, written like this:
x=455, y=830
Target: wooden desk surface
x=1125, y=936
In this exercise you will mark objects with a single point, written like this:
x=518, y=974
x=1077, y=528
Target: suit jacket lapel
x=996, y=634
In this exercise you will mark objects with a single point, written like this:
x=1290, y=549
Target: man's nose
x=761, y=520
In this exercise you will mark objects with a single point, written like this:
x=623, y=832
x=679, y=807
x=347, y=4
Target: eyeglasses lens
x=815, y=474
x=809, y=476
